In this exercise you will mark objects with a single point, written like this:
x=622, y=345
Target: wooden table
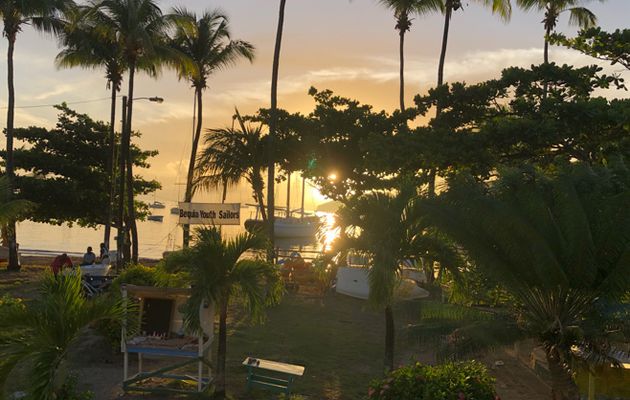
x=271, y=374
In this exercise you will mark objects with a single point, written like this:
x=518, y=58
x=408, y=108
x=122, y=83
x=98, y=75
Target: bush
x=452, y=381
x=325, y=273
x=135, y=275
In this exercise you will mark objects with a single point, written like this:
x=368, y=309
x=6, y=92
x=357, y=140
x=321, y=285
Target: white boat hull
x=293, y=228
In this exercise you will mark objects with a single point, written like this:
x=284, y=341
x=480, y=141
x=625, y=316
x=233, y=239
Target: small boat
x=156, y=218
x=289, y=226
x=175, y=210
x=157, y=204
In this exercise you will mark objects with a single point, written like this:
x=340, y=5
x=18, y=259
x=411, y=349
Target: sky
x=348, y=46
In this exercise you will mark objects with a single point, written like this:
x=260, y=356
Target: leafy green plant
x=137, y=274
x=462, y=380
x=47, y=328
x=69, y=390
x=325, y=272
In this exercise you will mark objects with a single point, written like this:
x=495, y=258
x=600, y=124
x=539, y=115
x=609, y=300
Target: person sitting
x=89, y=258
x=59, y=262
x=104, y=251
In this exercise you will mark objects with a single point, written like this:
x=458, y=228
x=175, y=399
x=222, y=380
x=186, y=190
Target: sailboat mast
x=288, y=194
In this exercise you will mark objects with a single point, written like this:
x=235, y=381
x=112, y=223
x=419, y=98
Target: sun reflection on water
x=328, y=232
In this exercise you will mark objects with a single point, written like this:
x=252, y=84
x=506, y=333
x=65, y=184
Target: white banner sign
x=210, y=213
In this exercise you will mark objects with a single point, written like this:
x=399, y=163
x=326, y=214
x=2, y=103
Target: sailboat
x=288, y=226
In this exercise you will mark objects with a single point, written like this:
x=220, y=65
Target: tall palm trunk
x=10, y=227
x=447, y=23
x=389, y=338
x=402, y=69
x=130, y=197
x=257, y=185
x=222, y=350
x=193, y=156
x=563, y=386
x=122, y=162
x=111, y=162
x=547, y=33
x=271, y=171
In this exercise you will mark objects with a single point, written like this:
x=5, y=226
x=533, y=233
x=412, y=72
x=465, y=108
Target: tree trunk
x=122, y=162
x=222, y=350
x=224, y=194
x=131, y=217
x=447, y=22
x=130, y=197
x=271, y=170
x=547, y=48
x=111, y=162
x=563, y=386
x=402, y=70
x=257, y=185
x=191, y=164
x=389, y=338
x=10, y=168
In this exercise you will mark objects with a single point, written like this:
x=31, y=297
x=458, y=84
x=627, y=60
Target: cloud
x=473, y=66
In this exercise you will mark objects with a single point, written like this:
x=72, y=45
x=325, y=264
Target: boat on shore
x=156, y=218
x=157, y=204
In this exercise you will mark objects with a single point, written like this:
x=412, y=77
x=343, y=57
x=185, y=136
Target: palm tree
x=141, y=30
x=387, y=229
x=403, y=9
x=85, y=47
x=580, y=16
x=50, y=325
x=220, y=273
x=207, y=47
x=558, y=245
x=15, y=14
x=231, y=155
x=501, y=7
x=273, y=122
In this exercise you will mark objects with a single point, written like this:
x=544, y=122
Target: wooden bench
x=271, y=374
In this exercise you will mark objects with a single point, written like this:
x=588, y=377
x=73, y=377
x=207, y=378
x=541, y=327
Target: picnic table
x=272, y=375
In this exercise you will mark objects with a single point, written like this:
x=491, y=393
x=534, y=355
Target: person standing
x=59, y=262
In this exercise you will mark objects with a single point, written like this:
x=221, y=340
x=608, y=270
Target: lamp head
x=156, y=99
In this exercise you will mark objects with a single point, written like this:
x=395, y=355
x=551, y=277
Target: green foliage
x=558, y=244
x=218, y=272
x=66, y=169
x=69, y=390
x=231, y=155
x=595, y=42
x=47, y=327
x=205, y=44
x=452, y=381
x=138, y=275
x=325, y=272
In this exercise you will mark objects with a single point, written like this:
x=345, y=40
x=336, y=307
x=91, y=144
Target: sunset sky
x=347, y=46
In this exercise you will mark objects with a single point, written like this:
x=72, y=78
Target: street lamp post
x=126, y=181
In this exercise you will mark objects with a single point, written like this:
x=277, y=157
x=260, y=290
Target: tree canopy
x=66, y=168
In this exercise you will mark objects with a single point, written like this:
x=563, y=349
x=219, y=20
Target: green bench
x=271, y=375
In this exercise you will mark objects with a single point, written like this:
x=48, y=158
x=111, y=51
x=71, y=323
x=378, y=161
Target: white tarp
x=210, y=213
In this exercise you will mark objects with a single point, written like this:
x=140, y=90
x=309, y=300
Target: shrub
x=452, y=381
x=135, y=275
x=325, y=273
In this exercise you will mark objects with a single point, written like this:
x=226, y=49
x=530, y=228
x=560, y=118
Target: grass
x=21, y=284
x=338, y=339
